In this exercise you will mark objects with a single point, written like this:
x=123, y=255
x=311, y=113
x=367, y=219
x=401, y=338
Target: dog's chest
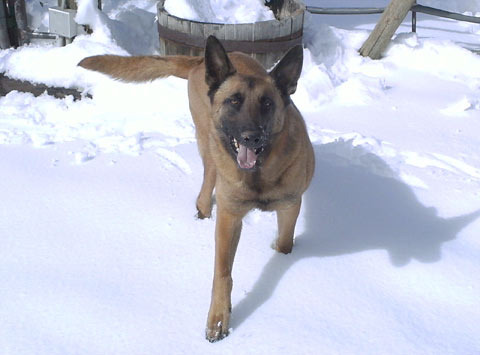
x=265, y=195
x=271, y=204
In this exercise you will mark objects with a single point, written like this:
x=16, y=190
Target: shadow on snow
x=355, y=203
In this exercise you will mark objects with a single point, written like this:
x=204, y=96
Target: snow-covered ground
x=101, y=253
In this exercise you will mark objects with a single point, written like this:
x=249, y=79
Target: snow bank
x=220, y=11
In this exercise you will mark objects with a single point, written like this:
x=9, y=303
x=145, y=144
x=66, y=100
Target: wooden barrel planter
x=266, y=41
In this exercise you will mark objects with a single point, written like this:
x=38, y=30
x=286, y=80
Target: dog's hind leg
x=286, y=219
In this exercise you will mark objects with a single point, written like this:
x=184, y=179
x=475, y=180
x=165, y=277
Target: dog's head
x=249, y=111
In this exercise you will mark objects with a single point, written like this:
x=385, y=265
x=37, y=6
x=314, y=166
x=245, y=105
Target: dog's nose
x=252, y=138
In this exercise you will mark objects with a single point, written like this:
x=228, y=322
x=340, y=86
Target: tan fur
x=143, y=68
x=277, y=185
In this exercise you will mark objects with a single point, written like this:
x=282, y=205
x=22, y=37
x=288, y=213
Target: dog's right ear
x=217, y=65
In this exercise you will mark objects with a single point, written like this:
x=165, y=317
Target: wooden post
x=391, y=19
x=21, y=19
x=414, y=18
x=4, y=39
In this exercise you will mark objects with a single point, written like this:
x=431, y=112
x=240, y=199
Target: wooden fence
x=392, y=17
x=378, y=10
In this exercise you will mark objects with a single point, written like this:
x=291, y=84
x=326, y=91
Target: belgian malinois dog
x=252, y=139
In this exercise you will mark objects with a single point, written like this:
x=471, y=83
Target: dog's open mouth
x=246, y=157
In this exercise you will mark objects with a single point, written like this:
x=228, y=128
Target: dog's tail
x=142, y=68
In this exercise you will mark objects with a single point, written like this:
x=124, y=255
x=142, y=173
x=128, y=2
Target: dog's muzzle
x=247, y=147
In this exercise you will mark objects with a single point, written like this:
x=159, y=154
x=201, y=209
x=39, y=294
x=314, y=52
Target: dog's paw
x=201, y=215
x=217, y=325
x=285, y=248
x=204, y=212
x=216, y=333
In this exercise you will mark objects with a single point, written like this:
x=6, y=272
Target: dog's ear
x=217, y=65
x=288, y=70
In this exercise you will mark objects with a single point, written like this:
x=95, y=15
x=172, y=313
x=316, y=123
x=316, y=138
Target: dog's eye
x=235, y=100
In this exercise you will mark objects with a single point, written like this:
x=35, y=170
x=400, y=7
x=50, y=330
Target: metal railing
x=443, y=13
x=378, y=10
x=345, y=10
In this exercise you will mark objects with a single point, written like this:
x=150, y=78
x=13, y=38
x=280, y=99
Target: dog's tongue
x=246, y=158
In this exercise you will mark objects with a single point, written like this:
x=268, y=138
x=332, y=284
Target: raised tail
x=141, y=68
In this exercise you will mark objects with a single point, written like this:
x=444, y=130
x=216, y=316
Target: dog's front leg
x=227, y=234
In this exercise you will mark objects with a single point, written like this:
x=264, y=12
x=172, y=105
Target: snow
x=220, y=11
x=101, y=251
x=461, y=6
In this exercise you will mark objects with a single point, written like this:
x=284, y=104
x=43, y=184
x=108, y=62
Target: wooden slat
x=297, y=22
x=285, y=27
x=196, y=30
x=8, y=84
x=244, y=32
x=263, y=30
x=381, y=35
x=163, y=18
x=182, y=26
x=230, y=31
x=162, y=21
x=215, y=29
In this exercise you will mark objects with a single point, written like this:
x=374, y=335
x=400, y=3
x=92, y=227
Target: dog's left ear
x=288, y=70
x=217, y=65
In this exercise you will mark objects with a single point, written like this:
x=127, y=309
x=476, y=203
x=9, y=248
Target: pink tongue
x=246, y=158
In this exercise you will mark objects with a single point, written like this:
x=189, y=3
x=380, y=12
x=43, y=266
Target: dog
x=252, y=139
